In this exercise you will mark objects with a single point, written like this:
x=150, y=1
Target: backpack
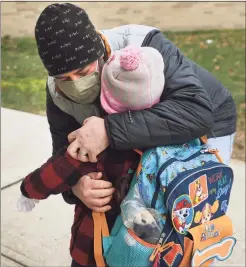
x=189, y=186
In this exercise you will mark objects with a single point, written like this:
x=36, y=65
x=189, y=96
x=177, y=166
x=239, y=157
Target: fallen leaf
x=219, y=57
x=231, y=71
x=217, y=67
x=202, y=45
x=242, y=105
x=189, y=38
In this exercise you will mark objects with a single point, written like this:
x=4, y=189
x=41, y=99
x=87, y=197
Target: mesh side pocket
x=127, y=250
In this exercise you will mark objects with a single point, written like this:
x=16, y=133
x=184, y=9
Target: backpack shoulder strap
x=100, y=230
x=204, y=139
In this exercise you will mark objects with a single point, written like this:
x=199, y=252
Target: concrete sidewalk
x=41, y=238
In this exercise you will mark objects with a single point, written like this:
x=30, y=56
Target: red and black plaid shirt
x=60, y=173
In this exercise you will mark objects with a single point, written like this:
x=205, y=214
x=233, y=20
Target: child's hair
x=132, y=79
x=121, y=185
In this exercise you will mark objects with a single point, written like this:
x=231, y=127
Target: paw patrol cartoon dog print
x=198, y=190
x=207, y=213
x=182, y=214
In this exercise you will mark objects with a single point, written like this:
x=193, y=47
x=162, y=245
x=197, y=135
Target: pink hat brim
x=105, y=97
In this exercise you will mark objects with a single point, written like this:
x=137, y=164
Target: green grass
x=23, y=75
x=225, y=58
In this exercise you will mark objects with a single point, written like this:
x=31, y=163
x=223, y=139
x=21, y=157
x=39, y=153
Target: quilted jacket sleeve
x=185, y=111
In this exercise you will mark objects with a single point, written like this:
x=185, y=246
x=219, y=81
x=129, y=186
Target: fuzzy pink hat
x=132, y=79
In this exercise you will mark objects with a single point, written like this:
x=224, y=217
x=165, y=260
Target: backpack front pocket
x=212, y=240
x=128, y=250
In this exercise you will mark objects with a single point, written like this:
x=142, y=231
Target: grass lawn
x=220, y=52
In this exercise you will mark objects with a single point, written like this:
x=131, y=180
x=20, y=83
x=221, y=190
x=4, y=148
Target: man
x=193, y=103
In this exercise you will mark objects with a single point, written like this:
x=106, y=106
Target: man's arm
x=94, y=192
x=184, y=113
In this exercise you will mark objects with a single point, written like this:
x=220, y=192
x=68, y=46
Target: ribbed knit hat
x=66, y=39
x=132, y=79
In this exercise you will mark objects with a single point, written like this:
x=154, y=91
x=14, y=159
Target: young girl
x=132, y=79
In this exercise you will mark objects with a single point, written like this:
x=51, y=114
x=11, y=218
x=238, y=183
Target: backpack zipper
x=168, y=163
x=214, y=151
x=160, y=247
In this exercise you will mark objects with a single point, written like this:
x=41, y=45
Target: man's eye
x=83, y=73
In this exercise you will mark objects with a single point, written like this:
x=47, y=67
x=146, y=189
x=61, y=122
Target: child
x=132, y=79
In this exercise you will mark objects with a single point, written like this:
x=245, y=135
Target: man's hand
x=88, y=141
x=93, y=192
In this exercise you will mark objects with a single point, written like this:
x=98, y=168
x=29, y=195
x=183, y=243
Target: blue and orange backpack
x=189, y=186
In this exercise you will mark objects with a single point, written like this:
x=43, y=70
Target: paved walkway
x=41, y=238
x=19, y=18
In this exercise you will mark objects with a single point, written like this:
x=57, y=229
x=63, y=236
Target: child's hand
x=26, y=204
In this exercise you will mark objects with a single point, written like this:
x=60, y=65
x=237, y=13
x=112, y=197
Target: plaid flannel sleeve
x=55, y=176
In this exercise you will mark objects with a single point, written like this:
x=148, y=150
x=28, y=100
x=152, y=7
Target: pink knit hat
x=132, y=79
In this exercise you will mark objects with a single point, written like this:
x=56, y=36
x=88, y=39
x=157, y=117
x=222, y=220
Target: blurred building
x=19, y=18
